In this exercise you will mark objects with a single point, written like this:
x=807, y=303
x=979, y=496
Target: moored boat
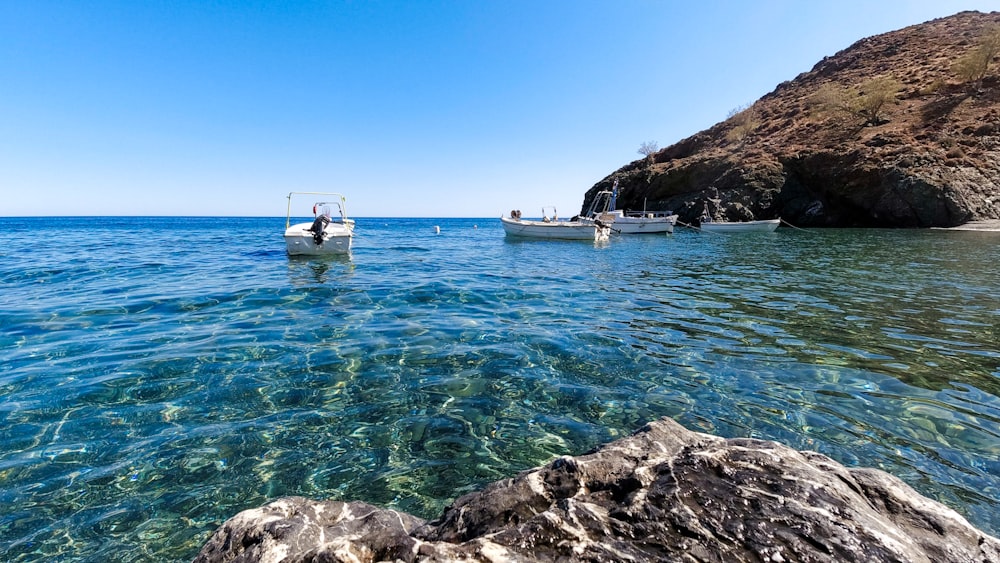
x=330, y=232
x=603, y=207
x=578, y=228
x=639, y=223
x=763, y=226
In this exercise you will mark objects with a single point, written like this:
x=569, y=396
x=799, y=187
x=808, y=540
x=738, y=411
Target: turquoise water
x=157, y=375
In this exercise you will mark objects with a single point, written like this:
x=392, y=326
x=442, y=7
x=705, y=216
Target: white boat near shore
x=629, y=223
x=987, y=226
x=554, y=229
x=764, y=226
x=329, y=233
x=639, y=223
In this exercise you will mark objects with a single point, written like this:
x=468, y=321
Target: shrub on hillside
x=743, y=121
x=973, y=66
x=867, y=101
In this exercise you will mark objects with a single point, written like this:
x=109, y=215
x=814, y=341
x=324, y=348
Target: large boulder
x=663, y=494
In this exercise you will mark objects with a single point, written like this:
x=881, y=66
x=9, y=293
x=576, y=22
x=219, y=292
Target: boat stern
x=300, y=241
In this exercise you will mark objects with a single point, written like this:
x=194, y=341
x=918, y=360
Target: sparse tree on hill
x=830, y=98
x=744, y=120
x=867, y=101
x=974, y=65
x=648, y=149
x=873, y=96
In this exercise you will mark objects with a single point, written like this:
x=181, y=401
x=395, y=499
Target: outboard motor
x=317, y=228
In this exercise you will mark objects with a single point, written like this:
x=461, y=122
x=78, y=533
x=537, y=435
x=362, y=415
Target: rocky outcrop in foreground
x=662, y=494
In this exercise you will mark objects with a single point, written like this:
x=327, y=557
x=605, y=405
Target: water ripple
x=157, y=380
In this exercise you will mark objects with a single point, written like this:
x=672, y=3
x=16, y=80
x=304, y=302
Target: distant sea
x=158, y=375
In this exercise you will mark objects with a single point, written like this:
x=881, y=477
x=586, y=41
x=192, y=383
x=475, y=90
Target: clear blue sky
x=462, y=108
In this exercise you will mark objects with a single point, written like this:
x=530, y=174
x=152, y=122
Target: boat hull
x=555, y=230
x=767, y=226
x=633, y=225
x=299, y=240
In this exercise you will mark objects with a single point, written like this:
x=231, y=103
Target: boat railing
x=340, y=202
x=599, y=205
x=648, y=214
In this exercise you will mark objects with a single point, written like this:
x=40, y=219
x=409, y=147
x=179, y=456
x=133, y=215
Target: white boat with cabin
x=329, y=233
x=763, y=226
x=551, y=227
x=603, y=207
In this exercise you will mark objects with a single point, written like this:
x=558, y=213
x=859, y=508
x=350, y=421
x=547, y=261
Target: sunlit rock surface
x=662, y=494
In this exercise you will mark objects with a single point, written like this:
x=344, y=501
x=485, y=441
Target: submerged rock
x=663, y=494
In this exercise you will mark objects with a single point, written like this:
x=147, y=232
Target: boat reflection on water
x=312, y=270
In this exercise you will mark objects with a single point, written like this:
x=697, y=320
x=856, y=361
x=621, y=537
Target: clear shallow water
x=157, y=375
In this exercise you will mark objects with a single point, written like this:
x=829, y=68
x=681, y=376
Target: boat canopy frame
x=340, y=202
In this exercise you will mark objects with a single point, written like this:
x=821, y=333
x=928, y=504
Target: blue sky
x=463, y=108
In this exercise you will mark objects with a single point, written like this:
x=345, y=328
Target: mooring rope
x=690, y=226
x=793, y=226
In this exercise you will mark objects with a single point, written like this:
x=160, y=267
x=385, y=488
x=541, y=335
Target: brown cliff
x=930, y=156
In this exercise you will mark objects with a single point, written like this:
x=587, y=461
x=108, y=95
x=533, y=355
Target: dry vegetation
x=974, y=65
x=744, y=121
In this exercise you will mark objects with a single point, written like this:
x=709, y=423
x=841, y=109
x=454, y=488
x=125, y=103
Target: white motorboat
x=639, y=223
x=765, y=226
x=629, y=223
x=330, y=231
x=579, y=228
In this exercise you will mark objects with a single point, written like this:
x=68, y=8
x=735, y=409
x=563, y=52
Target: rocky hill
x=894, y=131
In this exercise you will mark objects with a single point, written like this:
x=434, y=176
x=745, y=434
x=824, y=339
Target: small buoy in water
x=437, y=230
x=475, y=226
